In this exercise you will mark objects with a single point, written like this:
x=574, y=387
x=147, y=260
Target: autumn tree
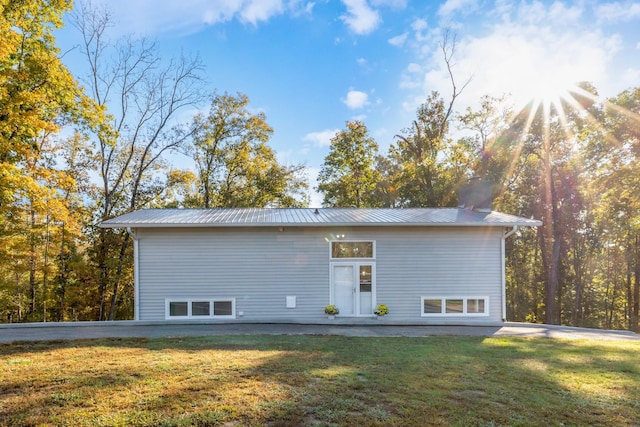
x=386, y=193
x=422, y=179
x=38, y=96
x=235, y=165
x=613, y=151
x=538, y=159
x=144, y=95
x=37, y=92
x=490, y=140
x=348, y=177
x=429, y=165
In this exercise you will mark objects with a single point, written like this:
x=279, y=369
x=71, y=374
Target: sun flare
x=550, y=94
x=547, y=86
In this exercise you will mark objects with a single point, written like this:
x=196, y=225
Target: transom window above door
x=352, y=249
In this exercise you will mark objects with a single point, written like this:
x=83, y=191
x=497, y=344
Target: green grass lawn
x=320, y=380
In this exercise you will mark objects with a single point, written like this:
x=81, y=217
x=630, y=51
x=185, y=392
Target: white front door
x=353, y=288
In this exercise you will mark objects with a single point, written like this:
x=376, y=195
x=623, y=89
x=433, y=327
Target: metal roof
x=309, y=217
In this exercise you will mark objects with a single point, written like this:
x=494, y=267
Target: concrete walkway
x=129, y=329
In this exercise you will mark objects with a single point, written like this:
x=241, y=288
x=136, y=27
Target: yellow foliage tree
x=38, y=95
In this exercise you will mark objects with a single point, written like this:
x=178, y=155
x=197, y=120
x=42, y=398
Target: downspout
x=504, y=272
x=136, y=275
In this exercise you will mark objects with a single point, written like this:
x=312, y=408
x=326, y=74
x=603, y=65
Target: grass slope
x=320, y=380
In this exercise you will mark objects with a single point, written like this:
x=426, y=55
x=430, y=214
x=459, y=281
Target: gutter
x=504, y=272
x=509, y=233
x=136, y=275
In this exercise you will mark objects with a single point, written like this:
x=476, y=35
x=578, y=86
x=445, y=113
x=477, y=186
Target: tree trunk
x=32, y=265
x=550, y=252
x=45, y=271
x=636, y=287
x=118, y=278
x=102, y=271
x=64, y=265
x=554, y=287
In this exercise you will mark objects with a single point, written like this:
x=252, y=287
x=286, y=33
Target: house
x=429, y=266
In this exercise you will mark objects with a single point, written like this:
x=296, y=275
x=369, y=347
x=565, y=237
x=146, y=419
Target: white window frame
x=356, y=263
x=331, y=242
x=190, y=301
x=443, y=310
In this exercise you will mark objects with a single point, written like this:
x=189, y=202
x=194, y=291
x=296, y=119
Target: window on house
x=222, y=308
x=431, y=306
x=475, y=306
x=200, y=308
x=455, y=306
x=352, y=250
x=186, y=309
x=178, y=308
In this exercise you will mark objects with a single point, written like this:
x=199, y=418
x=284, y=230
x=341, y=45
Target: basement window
x=455, y=306
x=200, y=308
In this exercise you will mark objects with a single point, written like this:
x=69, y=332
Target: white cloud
x=298, y=7
x=536, y=13
x=629, y=77
x=525, y=61
x=312, y=177
x=356, y=99
x=411, y=78
x=535, y=47
x=560, y=13
x=414, y=68
x=396, y=4
x=419, y=24
x=322, y=138
x=360, y=17
x=398, y=41
x=452, y=6
x=255, y=11
x=158, y=16
x=618, y=11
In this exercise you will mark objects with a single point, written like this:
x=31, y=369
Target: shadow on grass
x=320, y=380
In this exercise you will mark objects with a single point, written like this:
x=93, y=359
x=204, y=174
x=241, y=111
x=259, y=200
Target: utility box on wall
x=291, y=302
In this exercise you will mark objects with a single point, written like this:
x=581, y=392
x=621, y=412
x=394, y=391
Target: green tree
x=235, y=165
x=386, y=194
x=348, y=177
x=430, y=166
x=613, y=153
x=490, y=139
x=544, y=175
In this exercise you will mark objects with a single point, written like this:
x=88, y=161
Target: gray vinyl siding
x=461, y=262
x=257, y=267
x=260, y=267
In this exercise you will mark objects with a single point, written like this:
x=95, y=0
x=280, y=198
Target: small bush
x=331, y=310
x=381, y=310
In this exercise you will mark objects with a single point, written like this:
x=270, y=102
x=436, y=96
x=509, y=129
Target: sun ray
x=521, y=142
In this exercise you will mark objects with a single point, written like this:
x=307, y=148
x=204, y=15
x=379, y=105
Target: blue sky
x=312, y=65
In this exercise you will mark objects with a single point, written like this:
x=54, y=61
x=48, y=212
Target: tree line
x=77, y=150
